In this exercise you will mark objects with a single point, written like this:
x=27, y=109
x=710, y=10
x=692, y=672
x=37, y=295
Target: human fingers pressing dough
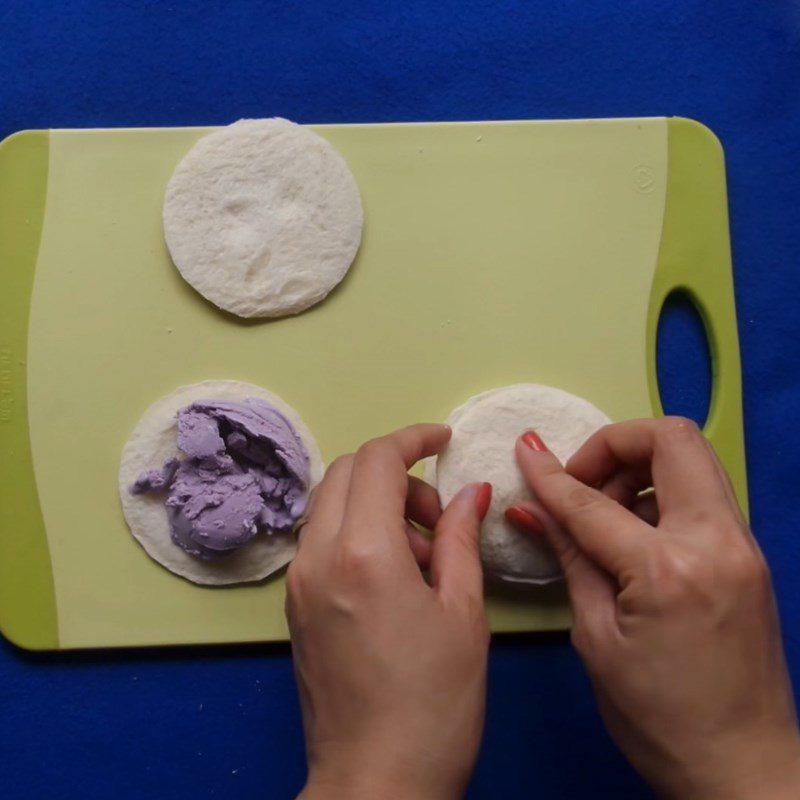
x=263, y=217
x=214, y=477
x=485, y=429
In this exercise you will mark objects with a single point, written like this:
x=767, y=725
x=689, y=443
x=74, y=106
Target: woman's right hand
x=674, y=614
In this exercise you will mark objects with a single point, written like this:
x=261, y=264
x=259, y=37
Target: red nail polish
x=534, y=441
x=483, y=499
x=522, y=518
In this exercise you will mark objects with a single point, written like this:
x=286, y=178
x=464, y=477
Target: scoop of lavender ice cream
x=246, y=471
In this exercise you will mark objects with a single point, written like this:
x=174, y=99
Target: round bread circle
x=485, y=429
x=153, y=441
x=263, y=217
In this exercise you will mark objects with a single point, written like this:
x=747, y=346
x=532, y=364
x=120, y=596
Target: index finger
x=683, y=469
x=379, y=481
x=602, y=529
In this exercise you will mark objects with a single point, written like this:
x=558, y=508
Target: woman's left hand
x=391, y=670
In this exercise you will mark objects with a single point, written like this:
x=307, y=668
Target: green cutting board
x=493, y=253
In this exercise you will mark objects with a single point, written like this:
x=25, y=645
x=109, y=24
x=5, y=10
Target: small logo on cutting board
x=644, y=178
x=6, y=393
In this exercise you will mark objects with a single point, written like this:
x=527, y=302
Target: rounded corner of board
x=27, y=635
x=23, y=138
x=698, y=133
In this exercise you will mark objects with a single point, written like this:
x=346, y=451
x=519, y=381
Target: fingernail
x=534, y=441
x=483, y=498
x=522, y=518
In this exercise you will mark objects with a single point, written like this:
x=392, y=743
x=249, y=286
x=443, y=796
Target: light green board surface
x=493, y=253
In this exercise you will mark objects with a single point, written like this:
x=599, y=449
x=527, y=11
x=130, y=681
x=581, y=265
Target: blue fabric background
x=224, y=723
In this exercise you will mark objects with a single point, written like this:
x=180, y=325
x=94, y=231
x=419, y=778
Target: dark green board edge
x=27, y=598
x=695, y=257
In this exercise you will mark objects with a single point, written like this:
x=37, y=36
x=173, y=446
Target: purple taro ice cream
x=246, y=471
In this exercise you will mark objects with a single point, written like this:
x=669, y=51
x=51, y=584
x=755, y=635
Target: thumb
x=456, y=571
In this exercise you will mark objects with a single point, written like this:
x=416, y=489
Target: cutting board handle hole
x=683, y=359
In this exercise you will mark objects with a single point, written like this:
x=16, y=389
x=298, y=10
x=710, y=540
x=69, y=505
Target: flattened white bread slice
x=485, y=429
x=263, y=217
x=153, y=441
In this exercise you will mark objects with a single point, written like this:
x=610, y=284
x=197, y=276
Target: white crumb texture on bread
x=485, y=430
x=263, y=217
